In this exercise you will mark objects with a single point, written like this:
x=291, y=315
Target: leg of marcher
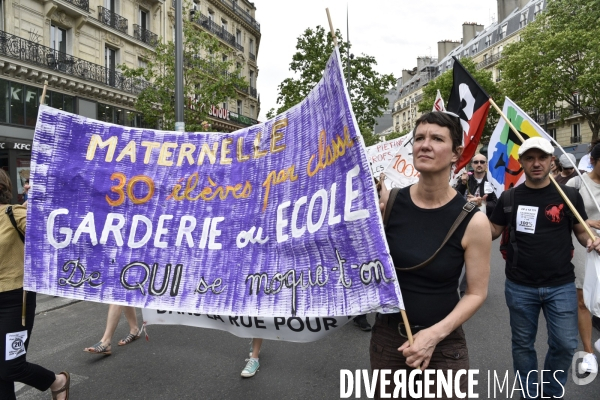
x=560, y=310
x=524, y=306
x=112, y=320
x=584, y=321
x=13, y=364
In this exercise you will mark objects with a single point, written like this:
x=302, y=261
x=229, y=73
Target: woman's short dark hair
x=447, y=121
x=595, y=150
x=5, y=188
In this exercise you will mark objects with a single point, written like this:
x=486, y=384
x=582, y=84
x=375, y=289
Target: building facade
x=77, y=47
x=485, y=46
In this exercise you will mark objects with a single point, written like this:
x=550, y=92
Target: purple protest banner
x=277, y=219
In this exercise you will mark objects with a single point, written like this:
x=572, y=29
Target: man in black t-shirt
x=539, y=271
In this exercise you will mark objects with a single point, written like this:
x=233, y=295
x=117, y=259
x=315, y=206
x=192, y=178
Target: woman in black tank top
x=421, y=217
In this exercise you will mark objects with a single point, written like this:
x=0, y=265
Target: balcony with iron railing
x=107, y=17
x=253, y=92
x=82, y=4
x=252, y=56
x=242, y=13
x=215, y=28
x=145, y=35
x=17, y=48
x=489, y=61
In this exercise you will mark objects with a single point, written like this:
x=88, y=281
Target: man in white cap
x=539, y=272
x=567, y=162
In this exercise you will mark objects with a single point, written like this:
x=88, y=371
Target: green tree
x=444, y=84
x=206, y=80
x=367, y=87
x=557, y=57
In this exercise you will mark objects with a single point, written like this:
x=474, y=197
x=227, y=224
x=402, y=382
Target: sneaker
x=589, y=364
x=362, y=323
x=251, y=368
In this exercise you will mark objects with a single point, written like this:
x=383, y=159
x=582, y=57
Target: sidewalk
x=47, y=303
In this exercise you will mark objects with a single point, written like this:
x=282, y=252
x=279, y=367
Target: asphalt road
x=185, y=362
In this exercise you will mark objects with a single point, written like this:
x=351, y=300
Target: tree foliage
x=558, y=56
x=444, y=84
x=367, y=87
x=206, y=80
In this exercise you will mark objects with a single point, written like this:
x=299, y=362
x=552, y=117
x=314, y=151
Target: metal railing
x=83, y=4
x=242, y=13
x=107, y=17
x=215, y=28
x=576, y=139
x=17, y=48
x=490, y=60
x=145, y=35
x=252, y=56
x=253, y=92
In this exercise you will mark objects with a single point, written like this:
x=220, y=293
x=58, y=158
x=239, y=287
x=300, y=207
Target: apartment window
x=488, y=40
x=144, y=19
x=196, y=5
x=225, y=105
x=576, y=101
x=1, y=14
x=224, y=25
x=448, y=64
x=576, y=133
x=238, y=36
x=466, y=53
x=474, y=48
x=251, y=47
x=252, y=113
x=502, y=33
x=224, y=57
x=251, y=76
x=552, y=133
x=211, y=15
x=142, y=63
x=239, y=107
x=58, y=39
x=110, y=62
x=110, y=5
x=523, y=20
x=498, y=75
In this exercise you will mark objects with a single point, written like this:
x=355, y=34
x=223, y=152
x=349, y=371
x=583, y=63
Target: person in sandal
x=114, y=313
x=17, y=308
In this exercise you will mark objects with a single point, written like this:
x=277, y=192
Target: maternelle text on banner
x=278, y=219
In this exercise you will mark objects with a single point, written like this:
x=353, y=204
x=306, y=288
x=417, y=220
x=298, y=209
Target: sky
x=395, y=32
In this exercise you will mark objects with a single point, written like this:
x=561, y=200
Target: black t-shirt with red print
x=541, y=221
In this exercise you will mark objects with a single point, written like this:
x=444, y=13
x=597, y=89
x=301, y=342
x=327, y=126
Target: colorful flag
x=470, y=102
x=438, y=104
x=504, y=169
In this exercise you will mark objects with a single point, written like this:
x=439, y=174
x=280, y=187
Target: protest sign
x=401, y=169
x=289, y=329
x=278, y=219
x=382, y=153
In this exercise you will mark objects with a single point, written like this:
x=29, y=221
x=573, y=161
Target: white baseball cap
x=567, y=160
x=536, y=142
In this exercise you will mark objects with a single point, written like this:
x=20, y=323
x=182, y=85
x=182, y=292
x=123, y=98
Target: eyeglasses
x=478, y=162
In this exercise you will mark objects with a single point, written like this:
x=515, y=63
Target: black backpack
x=509, y=237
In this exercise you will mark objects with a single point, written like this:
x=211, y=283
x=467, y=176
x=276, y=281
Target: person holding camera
x=473, y=187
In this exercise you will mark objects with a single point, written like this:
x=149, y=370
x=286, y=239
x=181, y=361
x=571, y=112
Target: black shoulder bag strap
x=512, y=233
x=389, y=205
x=11, y=216
x=467, y=208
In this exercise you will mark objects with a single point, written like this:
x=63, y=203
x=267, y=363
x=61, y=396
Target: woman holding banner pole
x=17, y=308
x=420, y=218
x=584, y=317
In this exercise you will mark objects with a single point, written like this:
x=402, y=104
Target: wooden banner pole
x=560, y=191
x=43, y=99
x=331, y=28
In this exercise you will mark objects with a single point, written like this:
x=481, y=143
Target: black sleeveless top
x=413, y=235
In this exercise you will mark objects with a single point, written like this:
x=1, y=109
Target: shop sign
x=221, y=113
x=15, y=146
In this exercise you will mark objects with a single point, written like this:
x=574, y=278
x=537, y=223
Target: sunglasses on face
x=478, y=162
